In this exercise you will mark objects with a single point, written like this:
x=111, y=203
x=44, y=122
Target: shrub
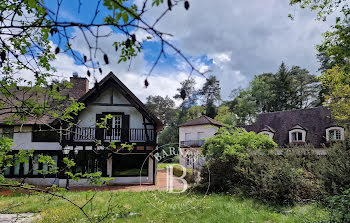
x=235, y=142
x=334, y=168
x=176, y=159
x=339, y=207
x=178, y=171
x=244, y=162
x=282, y=179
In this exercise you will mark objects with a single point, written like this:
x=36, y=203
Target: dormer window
x=268, y=131
x=297, y=134
x=334, y=133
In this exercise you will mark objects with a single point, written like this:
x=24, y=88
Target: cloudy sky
x=235, y=40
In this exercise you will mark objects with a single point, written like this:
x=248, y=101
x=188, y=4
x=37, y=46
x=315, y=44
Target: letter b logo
x=170, y=178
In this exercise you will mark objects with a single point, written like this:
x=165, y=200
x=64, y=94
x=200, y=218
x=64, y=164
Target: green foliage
x=281, y=179
x=285, y=177
x=235, y=142
x=163, y=108
x=339, y=207
x=334, y=52
x=178, y=171
x=187, y=93
x=225, y=116
x=337, y=81
x=195, y=111
x=287, y=89
x=218, y=208
x=334, y=169
x=211, y=95
x=8, y=159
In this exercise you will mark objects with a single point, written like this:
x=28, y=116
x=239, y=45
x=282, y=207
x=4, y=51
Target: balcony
x=85, y=134
x=192, y=143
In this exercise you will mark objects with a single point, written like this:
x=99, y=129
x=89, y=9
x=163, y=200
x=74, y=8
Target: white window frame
x=335, y=128
x=303, y=135
x=270, y=134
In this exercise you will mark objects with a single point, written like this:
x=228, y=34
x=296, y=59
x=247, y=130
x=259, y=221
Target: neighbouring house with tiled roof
x=312, y=126
x=131, y=122
x=192, y=135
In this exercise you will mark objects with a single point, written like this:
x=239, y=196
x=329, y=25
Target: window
x=297, y=136
x=90, y=162
x=7, y=132
x=35, y=164
x=45, y=134
x=130, y=165
x=114, y=126
x=32, y=167
x=187, y=136
x=335, y=133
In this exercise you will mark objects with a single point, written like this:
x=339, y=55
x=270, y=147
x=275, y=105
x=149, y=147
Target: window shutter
x=125, y=128
x=109, y=126
x=99, y=131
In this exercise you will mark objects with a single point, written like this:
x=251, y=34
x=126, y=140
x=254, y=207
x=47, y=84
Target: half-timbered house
x=129, y=122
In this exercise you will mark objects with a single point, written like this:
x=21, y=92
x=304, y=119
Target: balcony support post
x=145, y=126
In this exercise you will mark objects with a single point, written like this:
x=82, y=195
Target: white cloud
x=244, y=38
x=133, y=77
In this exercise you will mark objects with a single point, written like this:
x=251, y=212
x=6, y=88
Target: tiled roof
x=22, y=94
x=203, y=120
x=314, y=120
x=78, y=94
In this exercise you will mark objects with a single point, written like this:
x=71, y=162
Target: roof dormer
x=267, y=130
x=297, y=134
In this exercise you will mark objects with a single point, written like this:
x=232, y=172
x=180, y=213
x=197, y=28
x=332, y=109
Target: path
x=161, y=185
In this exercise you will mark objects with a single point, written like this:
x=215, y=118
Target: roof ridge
x=294, y=110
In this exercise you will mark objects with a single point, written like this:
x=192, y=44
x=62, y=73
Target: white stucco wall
x=208, y=130
x=196, y=161
x=22, y=138
x=87, y=117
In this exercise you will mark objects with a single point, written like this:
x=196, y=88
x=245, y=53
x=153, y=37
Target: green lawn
x=163, y=165
x=213, y=208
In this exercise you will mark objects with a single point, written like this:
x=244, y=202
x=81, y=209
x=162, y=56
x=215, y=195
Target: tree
x=244, y=108
x=187, y=93
x=334, y=54
x=337, y=80
x=195, y=111
x=225, y=116
x=33, y=33
x=211, y=94
x=287, y=89
x=163, y=108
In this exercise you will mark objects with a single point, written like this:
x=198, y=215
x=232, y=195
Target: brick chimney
x=80, y=86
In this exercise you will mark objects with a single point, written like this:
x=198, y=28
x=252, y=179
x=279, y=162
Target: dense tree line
x=288, y=88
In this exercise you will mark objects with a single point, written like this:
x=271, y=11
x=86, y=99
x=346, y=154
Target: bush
x=339, y=207
x=244, y=163
x=235, y=142
x=334, y=169
x=282, y=179
x=176, y=159
x=189, y=173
